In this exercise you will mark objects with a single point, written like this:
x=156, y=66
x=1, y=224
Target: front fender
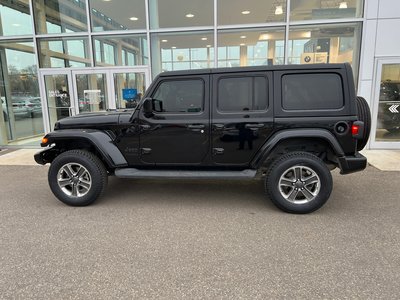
x=100, y=140
x=280, y=136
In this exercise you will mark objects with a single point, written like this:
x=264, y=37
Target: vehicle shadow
x=186, y=192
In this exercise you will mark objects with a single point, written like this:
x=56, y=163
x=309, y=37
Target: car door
x=177, y=133
x=241, y=116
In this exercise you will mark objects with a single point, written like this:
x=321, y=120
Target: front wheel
x=77, y=177
x=298, y=182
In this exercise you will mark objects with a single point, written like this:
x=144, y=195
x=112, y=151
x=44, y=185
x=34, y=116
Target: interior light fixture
x=189, y=15
x=245, y=12
x=173, y=47
x=106, y=0
x=164, y=41
x=133, y=18
x=204, y=39
x=242, y=36
x=208, y=46
x=242, y=44
x=343, y=5
x=279, y=10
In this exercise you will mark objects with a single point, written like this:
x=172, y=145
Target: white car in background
x=19, y=110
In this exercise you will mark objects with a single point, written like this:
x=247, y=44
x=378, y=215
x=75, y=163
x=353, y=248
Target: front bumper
x=351, y=164
x=45, y=156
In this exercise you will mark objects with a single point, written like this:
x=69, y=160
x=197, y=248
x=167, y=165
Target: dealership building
x=59, y=58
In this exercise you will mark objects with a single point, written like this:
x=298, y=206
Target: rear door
x=242, y=117
x=178, y=134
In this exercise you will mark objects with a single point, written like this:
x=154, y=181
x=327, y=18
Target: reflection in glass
x=182, y=51
x=325, y=9
x=129, y=89
x=117, y=15
x=21, y=109
x=128, y=50
x=324, y=44
x=232, y=12
x=64, y=53
x=388, y=125
x=59, y=16
x=180, y=13
x=15, y=18
x=92, y=92
x=57, y=97
x=251, y=47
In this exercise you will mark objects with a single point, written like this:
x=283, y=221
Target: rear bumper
x=351, y=164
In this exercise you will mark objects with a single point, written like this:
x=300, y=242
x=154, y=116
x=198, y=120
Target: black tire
x=364, y=114
x=279, y=184
x=88, y=183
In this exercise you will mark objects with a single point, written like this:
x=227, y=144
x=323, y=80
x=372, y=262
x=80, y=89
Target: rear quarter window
x=317, y=91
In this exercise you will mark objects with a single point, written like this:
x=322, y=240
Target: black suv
x=289, y=124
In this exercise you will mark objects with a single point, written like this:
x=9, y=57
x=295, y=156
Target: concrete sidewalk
x=384, y=160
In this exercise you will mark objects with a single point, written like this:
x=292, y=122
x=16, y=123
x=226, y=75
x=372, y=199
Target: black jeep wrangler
x=289, y=124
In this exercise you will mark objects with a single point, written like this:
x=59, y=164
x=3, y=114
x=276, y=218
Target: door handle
x=196, y=126
x=218, y=126
x=254, y=125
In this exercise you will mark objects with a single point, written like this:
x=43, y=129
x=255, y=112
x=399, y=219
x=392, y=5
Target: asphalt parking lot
x=198, y=239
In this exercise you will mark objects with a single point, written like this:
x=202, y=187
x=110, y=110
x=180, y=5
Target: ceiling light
x=343, y=5
x=242, y=44
x=164, y=41
x=173, y=47
x=204, y=39
x=189, y=15
x=279, y=10
x=208, y=46
x=107, y=0
x=245, y=12
x=133, y=19
x=242, y=36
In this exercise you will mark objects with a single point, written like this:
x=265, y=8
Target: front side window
x=312, y=91
x=237, y=94
x=180, y=96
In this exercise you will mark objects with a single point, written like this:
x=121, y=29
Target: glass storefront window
x=388, y=125
x=117, y=15
x=251, y=47
x=15, y=18
x=92, y=92
x=130, y=50
x=129, y=89
x=182, y=51
x=232, y=12
x=59, y=16
x=21, y=108
x=64, y=53
x=324, y=44
x=325, y=9
x=180, y=13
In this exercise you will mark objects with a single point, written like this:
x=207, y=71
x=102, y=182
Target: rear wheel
x=298, y=182
x=77, y=177
x=364, y=115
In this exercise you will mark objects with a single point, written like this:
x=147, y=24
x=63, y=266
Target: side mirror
x=147, y=106
x=157, y=105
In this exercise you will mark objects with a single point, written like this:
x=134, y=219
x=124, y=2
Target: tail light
x=357, y=130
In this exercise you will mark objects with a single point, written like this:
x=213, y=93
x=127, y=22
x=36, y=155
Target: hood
x=91, y=120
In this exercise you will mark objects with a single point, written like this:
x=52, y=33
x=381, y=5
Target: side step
x=177, y=174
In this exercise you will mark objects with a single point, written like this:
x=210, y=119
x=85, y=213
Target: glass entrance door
x=386, y=109
x=71, y=92
x=57, y=90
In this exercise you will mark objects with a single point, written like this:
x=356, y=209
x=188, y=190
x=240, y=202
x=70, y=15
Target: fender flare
x=103, y=143
x=280, y=136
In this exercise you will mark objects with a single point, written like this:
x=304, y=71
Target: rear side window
x=242, y=94
x=312, y=91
